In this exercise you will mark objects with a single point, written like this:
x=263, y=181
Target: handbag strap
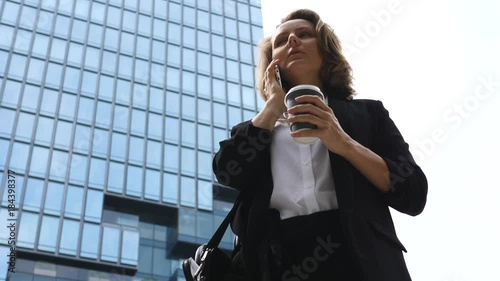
x=217, y=237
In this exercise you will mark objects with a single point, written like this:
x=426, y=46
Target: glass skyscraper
x=110, y=113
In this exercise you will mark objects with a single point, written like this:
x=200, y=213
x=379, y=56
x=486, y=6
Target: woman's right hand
x=275, y=100
x=275, y=95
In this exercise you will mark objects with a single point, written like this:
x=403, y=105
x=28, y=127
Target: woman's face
x=295, y=44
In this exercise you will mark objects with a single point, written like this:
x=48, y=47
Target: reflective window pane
x=203, y=64
x=82, y=139
x=205, y=195
x=173, y=103
x=127, y=43
x=49, y=102
x=109, y=62
x=81, y=9
x=97, y=173
x=93, y=205
x=249, y=96
x=204, y=137
x=247, y=74
x=75, y=54
x=106, y=88
x=97, y=14
x=95, y=34
x=78, y=171
x=89, y=82
x=100, y=142
x=136, y=151
x=155, y=124
x=10, y=13
x=24, y=128
x=129, y=21
x=120, y=121
x=44, y=130
x=35, y=71
x=71, y=79
x=30, y=98
x=188, y=188
x=159, y=29
x=74, y=202
x=17, y=66
x=18, y=163
x=130, y=247
x=204, y=111
x=174, y=33
x=110, y=244
x=145, y=23
x=114, y=17
x=244, y=31
x=154, y=154
x=134, y=181
x=188, y=133
x=170, y=188
x=205, y=165
x=217, y=24
x=218, y=67
x=68, y=106
x=138, y=122
x=59, y=165
x=140, y=96
x=233, y=72
x=174, y=12
x=188, y=107
x=13, y=88
x=173, y=55
x=53, y=199
x=89, y=237
x=4, y=146
x=69, y=237
x=86, y=110
x=152, y=188
x=234, y=115
x=116, y=177
x=33, y=195
x=58, y=50
x=118, y=146
x=171, y=157
x=39, y=158
x=188, y=157
x=27, y=230
x=62, y=26
x=159, y=261
x=172, y=129
x=111, y=39
x=92, y=58
x=189, y=37
x=7, y=116
x=48, y=234
x=103, y=115
x=23, y=41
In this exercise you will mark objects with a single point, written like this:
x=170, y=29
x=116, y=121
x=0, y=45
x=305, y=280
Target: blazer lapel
x=341, y=168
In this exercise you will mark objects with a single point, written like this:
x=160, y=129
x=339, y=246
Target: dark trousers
x=311, y=248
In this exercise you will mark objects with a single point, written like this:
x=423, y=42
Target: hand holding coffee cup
x=293, y=93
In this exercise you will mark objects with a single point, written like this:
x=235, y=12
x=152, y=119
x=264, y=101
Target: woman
x=318, y=211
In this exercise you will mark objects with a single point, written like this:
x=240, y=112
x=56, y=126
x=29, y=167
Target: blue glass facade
x=110, y=113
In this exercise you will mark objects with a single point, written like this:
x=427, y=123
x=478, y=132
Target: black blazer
x=243, y=162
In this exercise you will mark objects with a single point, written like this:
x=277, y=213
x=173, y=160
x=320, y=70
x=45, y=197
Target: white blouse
x=302, y=175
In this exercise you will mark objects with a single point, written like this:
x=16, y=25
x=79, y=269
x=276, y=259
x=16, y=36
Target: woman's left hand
x=313, y=110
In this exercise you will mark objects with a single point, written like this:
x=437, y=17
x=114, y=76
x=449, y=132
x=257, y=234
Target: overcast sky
x=436, y=67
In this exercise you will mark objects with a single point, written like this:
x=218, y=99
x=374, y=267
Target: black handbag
x=211, y=263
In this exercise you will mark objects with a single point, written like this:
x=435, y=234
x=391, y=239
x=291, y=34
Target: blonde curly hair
x=335, y=72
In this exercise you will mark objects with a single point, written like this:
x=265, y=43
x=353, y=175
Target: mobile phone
x=278, y=76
